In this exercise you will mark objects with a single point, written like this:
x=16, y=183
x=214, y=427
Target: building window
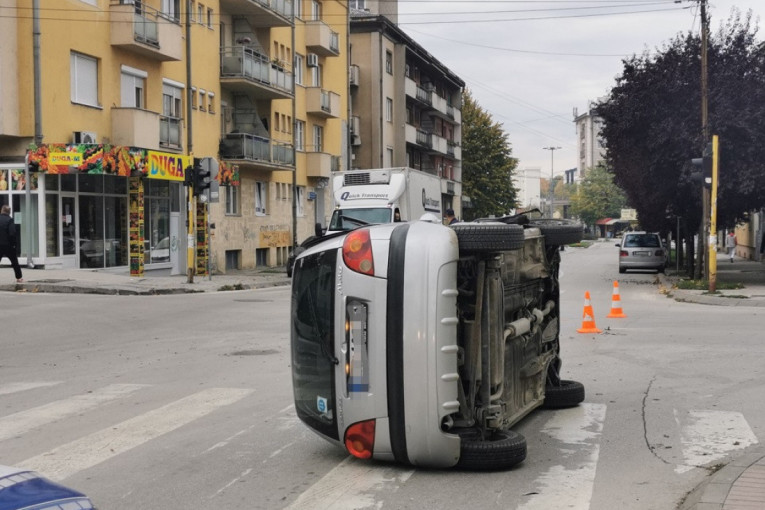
x=318, y=138
x=388, y=62
x=232, y=200
x=172, y=9
x=261, y=198
x=202, y=100
x=298, y=68
x=358, y=4
x=200, y=13
x=300, y=135
x=132, y=87
x=210, y=102
x=261, y=257
x=389, y=109
x=209, y=18
x=299, y=198
x=84, y=79
x=192, y=9
x=316, y=76
x=389, y=156
x=194, y=98
x=316, y=10
x=298, y=7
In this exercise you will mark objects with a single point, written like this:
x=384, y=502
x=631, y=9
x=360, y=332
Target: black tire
x=488, y=237
x=504, y=449
x=568, y=394
x=559, y=232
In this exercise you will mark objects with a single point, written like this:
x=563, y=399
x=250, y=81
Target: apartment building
x=128, y=92
x=405, y=104
x=592, y=149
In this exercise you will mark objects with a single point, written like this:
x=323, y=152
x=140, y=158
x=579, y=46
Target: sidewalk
x=154, y=282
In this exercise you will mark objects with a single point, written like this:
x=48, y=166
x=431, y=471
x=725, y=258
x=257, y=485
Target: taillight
x=357, y=252
x=360, y=439
x=623, y=253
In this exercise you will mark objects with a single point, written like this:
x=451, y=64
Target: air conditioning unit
x=355, y=140
x=312, y=60
x=84, y=137
x=354, y=75
x=355, y=125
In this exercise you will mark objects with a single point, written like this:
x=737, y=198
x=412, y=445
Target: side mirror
x=317, y=230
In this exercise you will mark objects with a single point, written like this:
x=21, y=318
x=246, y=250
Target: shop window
x=83, y=79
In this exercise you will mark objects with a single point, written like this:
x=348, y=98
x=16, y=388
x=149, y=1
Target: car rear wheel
x=503, y=449
x=486, y=237
x=559, y=232
x=567, y=394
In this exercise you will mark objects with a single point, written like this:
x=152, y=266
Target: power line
x=545, y=18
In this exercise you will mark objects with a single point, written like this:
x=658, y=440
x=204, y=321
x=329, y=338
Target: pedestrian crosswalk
x=705, y=437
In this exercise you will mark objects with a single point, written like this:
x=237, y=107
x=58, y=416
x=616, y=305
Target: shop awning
x=604, y=221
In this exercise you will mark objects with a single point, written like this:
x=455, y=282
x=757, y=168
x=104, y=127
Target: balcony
x=261, y=13
x=354, y=76
x=321, y=39
x=134, y=127
x=250, y=72
x=170, y=131
x=322, y=103
x=256, y=152
x=145, y=31
x=321, y=164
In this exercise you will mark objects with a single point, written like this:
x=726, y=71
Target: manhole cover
x=254, y=352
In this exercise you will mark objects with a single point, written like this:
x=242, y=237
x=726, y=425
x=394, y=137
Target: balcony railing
x=170, y=132
x=145, y=30
x=261, y=13
x=244, y=146
x=424, y=138
x=244, y=63
x=321, y=39
x=424, y=95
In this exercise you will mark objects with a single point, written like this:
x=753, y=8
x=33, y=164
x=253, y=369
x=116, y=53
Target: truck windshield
x=349, y=219
x=313, y=359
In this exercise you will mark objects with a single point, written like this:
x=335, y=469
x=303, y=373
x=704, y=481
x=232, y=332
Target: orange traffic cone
x=616, y=304
x=588, y=317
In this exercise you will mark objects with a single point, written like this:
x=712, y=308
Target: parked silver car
x=642, y=250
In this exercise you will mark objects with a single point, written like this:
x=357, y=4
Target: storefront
x=94, y=206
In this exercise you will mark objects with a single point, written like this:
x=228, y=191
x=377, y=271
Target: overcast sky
x=530, y=63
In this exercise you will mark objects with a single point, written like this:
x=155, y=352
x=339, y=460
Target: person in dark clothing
x=450, y=219
x=8, y=240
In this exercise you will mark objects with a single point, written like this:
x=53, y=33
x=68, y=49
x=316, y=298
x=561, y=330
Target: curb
x=713, y=493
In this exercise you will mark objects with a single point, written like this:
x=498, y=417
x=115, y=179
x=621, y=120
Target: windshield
x=350, y=219
x=313, y=359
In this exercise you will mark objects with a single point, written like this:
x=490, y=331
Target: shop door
x=68, y=228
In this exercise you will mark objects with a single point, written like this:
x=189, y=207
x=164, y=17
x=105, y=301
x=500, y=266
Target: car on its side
x=642, y=250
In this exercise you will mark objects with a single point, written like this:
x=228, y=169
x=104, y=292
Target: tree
x=597, y=197
x=652, y=126
x=487, y=163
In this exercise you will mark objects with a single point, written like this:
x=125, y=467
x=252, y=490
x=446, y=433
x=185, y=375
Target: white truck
x=365, y=197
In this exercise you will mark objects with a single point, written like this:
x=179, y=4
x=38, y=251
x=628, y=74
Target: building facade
x=405, y=105
x=592, y=148
x=124, y=94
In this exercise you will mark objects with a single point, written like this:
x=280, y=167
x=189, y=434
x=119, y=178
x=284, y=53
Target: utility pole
x=551, y=191
x=702, y=268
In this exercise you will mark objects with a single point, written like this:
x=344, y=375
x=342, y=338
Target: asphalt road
x=185, y=401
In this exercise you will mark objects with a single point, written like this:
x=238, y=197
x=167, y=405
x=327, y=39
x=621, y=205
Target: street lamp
x=550, y=191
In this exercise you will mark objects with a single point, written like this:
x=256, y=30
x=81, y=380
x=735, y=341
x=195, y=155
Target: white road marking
x=24, y=421
x=710, y=436
x=579, y=429
x=84, y=453
x=232, y=482
x=6, y=389
x=350, y=485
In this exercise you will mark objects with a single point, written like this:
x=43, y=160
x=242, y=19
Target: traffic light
x=188, y=176
x=704, y=165
x=201, y=177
